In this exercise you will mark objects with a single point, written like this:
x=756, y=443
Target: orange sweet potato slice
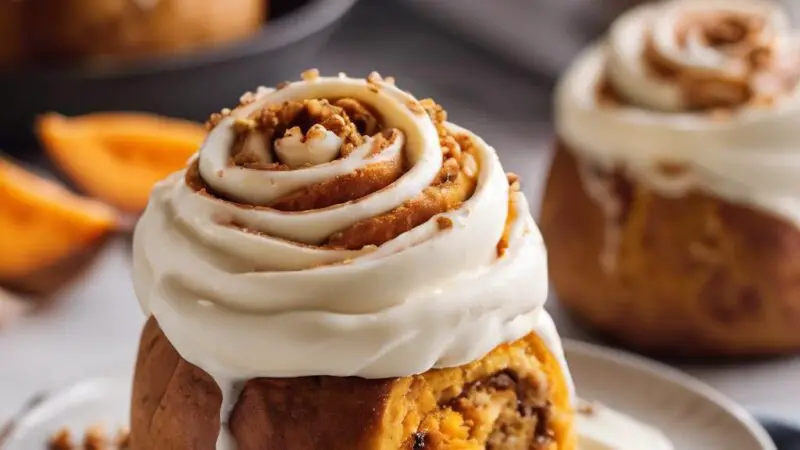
x=119, y=156
x=41, y=222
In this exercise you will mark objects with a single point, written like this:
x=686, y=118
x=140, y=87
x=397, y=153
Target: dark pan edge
x=293, y=27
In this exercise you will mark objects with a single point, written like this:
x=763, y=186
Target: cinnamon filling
x=504, y=411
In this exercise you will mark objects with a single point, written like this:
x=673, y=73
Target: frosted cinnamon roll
x=672, y=206
x=340, y=267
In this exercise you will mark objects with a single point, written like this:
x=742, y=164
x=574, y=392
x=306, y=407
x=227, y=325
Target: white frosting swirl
x=749, y=156
x=263, y=299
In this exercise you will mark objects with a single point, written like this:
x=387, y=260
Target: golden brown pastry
x=339, y=267
x=671, y=211
x=513, y=398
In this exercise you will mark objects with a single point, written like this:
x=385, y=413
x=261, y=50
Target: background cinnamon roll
x=672, y=207
x=69, y=31
x=339, y=267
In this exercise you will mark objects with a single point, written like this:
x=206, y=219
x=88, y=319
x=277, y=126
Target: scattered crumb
x=283, y=84
x=373, y=82
x=216, y=118
x=123, y=438
x=469, y=165
x=445, y=223
x=242, y=125
x=514, y=182
x=95, y=438
x=587, y=408
x=374, y=78
x=62, y=440
x=415, y=107
x=310, y=74
x=450, y=147
x=247, y=98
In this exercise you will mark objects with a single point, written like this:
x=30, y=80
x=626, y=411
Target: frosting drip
x=692, y=96
x=339, y=226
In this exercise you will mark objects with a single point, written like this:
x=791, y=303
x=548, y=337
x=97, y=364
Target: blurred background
x=491, y=64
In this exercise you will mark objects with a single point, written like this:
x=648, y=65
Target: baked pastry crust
x=692, y=276
x=514, y=398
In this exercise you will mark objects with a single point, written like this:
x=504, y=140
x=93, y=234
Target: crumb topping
x=310, y=75
x=587, y=408
x=444, y=223
x=353, y=122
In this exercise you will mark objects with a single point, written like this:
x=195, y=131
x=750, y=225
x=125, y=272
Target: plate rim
x=629, y=361
x=672, y=375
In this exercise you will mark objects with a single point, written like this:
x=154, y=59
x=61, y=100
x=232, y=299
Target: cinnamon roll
x=77, y=31
x=340, y=267
x=673, y=203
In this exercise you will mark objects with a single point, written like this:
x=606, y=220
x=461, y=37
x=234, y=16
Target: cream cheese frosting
x=264, y=299
x=708, y=86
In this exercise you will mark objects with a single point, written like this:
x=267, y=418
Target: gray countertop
x=94, y=327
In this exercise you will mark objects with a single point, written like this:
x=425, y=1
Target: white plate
x=692, y=414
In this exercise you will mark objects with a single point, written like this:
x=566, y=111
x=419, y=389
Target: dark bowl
x=190, y=85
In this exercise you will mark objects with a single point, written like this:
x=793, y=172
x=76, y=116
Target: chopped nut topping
x=415, y=107
x=469, y=165
x=247, y=98
x=242, y=125
x=250, y=97
x=62, y=440
x=95, y=438
x=587, y=408
x=514, y=182
x=310, y=75
x=216, y=118
x=374, y=78
x=123, y=438
x=444, y=223
x=435, y=111
x=272, y=135
x=373, y=82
